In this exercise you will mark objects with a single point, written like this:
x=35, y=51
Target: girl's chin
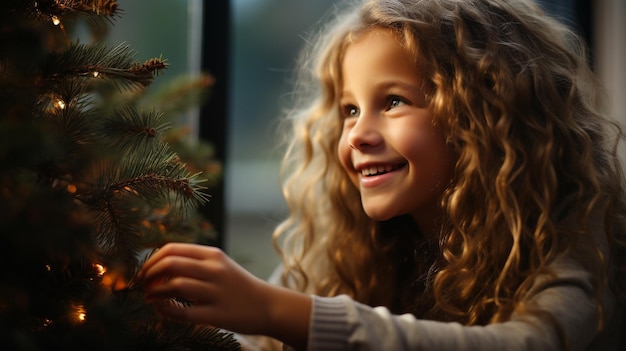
x=378, y=215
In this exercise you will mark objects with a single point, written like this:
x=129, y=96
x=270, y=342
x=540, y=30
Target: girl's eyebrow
x=386, y=85
x=345, y=94
x=399, y=84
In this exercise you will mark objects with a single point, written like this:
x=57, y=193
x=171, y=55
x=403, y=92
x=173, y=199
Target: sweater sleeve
x=339, y=323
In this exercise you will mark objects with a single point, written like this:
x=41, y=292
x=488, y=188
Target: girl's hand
x=223, y=294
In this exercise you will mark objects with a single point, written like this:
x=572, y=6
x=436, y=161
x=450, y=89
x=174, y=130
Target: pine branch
x=118, y=227
x=98, y=7
x=67, y=93
x=74, y=8
x=184, y=337
x=99, y=61
x=148, y=165
x=84, y=189
x=128, y=129
x=71, y=110
x=122, y=192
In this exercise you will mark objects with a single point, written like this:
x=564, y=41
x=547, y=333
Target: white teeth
x=373, y=170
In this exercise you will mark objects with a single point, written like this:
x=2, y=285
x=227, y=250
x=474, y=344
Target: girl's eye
x=395, y=101
x=350, y=111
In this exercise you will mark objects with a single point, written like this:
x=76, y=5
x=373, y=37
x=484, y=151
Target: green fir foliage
x=89, y=185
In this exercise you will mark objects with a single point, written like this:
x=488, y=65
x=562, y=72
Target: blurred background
x=250, y=47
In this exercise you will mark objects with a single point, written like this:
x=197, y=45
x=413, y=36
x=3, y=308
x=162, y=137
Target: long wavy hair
x=537, y=164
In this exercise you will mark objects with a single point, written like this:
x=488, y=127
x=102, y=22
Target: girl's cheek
x=345, y=158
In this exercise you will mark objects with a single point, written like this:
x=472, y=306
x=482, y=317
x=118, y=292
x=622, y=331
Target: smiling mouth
x=378, y=170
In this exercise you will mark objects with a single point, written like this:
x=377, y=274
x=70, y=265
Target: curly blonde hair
x=537, y=162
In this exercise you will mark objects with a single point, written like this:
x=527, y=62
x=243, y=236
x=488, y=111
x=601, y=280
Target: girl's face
x=389, y=146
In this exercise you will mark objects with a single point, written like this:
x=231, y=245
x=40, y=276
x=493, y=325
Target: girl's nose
x=365, y=133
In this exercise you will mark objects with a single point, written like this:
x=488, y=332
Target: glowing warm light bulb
x=71, y=188
x=61, y=104
x=55, y=20
x=114, y=281
x=131, y=190
x=100, y=268
x=96, y=74
x=79, y=313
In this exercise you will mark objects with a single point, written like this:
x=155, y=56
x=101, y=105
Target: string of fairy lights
x=107, y=278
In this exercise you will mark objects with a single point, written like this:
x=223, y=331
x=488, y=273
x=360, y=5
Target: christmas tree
x=87, y=188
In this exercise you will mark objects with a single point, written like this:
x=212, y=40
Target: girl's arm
x=567, y=307
x=224, y=294
x=227, y=296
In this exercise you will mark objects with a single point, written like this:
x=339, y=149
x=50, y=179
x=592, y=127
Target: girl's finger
x=191, y=251
x=176, y=266
x=200, y=292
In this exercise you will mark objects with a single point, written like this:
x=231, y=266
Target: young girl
x=453, y=183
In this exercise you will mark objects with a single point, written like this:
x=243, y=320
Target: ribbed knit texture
x=329, y=324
